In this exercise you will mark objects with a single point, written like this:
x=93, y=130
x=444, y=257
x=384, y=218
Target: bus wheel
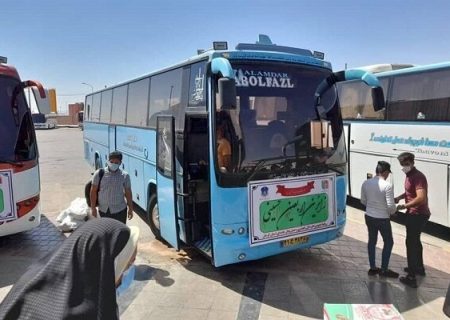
x=153, y=216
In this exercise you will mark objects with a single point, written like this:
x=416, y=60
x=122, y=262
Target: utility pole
x=90, y=85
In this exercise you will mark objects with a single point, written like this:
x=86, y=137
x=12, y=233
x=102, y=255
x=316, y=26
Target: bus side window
x=356, y=101
x=25, y=146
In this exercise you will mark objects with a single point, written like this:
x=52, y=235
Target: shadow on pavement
x=144, y=274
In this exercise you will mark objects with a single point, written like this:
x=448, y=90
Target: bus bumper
x=235, y=248
x=29, y=221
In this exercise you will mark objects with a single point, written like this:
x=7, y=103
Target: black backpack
x=87, y=188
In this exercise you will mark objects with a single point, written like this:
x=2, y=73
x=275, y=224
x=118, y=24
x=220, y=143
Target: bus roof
x=264, y=49
x=258, y=51
x=10, y=71
x=377, y=68
x=416, y=69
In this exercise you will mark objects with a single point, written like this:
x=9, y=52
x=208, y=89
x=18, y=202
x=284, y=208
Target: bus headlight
x=227, y=231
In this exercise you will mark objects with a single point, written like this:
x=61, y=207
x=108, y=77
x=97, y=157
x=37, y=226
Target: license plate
x=294, y=241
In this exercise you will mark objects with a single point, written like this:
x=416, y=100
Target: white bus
x=19, y=166
x=416, y=119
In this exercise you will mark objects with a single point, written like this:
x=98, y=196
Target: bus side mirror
x=378, y=98
x=37, y=84
x=227, y=94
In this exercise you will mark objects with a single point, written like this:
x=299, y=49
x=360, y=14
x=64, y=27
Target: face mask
x=406, y=169
x=113, y=166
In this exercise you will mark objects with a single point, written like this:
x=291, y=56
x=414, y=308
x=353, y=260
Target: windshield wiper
x=325, y=166
x=257, y=166
x=260, y=163
x=16, y=164
x=335, y=170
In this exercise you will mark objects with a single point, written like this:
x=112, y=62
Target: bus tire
x=153, y=216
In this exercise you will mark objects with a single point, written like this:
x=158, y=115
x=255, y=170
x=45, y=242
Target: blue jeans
x=384, y=227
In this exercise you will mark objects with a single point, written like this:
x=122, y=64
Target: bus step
x=204, y=245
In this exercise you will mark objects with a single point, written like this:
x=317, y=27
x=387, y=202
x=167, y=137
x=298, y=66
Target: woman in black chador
x=75, y=282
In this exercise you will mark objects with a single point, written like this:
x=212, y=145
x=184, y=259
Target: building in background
x=46, y=115
x=70, y=119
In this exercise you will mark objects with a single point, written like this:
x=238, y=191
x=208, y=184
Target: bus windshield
x=17, y=142
x=272, y=124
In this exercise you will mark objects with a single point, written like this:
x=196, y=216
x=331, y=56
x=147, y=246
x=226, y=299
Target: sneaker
x=420, y=272
x=373, y=271
x=409, y=281
x=389, y=273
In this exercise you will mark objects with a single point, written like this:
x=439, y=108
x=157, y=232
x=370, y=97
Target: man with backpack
x=110, y=187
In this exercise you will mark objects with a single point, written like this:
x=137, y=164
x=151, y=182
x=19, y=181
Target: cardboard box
x=360, y=312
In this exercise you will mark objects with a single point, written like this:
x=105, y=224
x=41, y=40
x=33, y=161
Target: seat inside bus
x=247, y=118
x=197, y=148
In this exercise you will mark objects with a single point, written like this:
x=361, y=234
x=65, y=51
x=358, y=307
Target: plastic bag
x=76, y=214
x=78, y=209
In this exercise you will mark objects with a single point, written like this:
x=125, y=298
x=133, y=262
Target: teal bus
x=238, y=153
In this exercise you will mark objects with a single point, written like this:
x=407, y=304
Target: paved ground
x=171, y=285
x=290, y=286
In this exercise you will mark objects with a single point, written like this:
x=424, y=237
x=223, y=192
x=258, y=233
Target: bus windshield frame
x=269, y=131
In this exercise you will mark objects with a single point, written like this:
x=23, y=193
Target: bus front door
x=165, y=180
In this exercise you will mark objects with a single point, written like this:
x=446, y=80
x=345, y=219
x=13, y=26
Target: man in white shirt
x=377, y=195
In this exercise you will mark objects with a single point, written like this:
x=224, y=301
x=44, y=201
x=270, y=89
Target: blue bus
x=238, y=153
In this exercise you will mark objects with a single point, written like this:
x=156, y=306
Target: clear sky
x=64, y=43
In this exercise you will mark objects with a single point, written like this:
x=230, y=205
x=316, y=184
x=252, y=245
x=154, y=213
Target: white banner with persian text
x=288, y=208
